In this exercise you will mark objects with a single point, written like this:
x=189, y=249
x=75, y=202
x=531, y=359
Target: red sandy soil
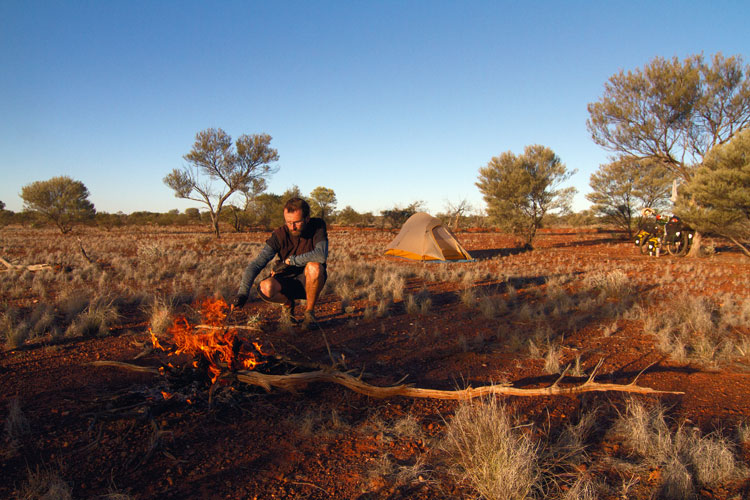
x=107, y=429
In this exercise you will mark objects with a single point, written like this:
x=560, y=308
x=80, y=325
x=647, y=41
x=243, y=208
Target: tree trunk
x=744, y=249
x=215, y=223
x=695, y=247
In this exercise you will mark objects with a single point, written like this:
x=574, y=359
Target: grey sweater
x=319, y=253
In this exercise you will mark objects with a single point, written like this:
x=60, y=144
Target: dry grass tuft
x=94, y=321
x=43, y=484
x=686, y=458
x=695, y=329
x=160, y=316
x=16, y=427
x=488, y=453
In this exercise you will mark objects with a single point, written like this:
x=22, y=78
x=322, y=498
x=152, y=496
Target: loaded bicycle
x=659, y=232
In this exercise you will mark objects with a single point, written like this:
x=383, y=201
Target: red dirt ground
x=107, y=429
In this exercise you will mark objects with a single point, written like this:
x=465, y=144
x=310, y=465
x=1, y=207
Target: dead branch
x=296, y=381
x=83, y=252
x=32, y=267
x=230, y=327
x=126, y=366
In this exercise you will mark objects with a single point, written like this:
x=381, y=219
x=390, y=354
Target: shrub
x=44, y=484
x=94, y=321
x=16, y=425
x=15, y=331
x=686, y=458
x=487, y=452
x=690, y=328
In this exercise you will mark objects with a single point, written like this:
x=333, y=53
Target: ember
x=214, y=342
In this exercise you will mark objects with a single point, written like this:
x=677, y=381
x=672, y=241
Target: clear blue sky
x=386, y=102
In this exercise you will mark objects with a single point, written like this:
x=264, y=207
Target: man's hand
x=239, y=301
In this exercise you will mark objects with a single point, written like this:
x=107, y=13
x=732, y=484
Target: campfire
x=213, y=344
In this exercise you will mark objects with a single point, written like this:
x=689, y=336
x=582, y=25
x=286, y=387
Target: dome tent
x=423, y=237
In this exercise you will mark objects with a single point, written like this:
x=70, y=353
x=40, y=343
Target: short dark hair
x=296, y=203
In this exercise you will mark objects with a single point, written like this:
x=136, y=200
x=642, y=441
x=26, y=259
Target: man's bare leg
x=313, y=284
x=271, y=289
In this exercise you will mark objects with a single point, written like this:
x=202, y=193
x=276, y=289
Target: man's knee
x=313, y=270
x=269, y=287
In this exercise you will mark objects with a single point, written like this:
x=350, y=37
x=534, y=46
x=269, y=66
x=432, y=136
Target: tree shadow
x=589, y=243
x=621, y=375
x=488, y=253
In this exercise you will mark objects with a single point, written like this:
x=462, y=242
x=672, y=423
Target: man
x=300, y=272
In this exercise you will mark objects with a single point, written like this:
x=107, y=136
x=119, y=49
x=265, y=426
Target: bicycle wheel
x=678, y=245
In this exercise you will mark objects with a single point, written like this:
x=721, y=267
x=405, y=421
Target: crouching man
x=301, y=245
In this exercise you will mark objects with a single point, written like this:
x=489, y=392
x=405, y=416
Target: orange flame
x=155, y=340
x=218, y=344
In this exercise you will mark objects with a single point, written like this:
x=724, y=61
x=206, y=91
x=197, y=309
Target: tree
x=620, y=189
x=455, y=211
x=348, y=216
x=2, y=205
x=214, y=158
x=62, y=200
x=266, y=209
x=673, y=111
x=520, y=190
x=396, y=216
x=242, y=216
x=322, y=201
x=720, y=190
x=193, y=214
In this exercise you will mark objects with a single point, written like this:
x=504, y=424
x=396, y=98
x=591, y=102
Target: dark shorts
x=293, y=286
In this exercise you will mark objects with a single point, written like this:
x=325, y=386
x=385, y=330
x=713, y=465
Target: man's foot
x=310, y=320
x=287, y=314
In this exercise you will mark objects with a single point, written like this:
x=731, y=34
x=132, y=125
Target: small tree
x=213, y=159
x=322, y=202
x=62, y=200
x=347, y=216
x=623, y=187
x=673, y=112
x=520, y=190
x=193, y=214
x=457, y=210
x=242, y=216
x=396, y=216
x=267, y=209
x=717, y=199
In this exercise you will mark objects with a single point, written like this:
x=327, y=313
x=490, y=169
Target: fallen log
x=294, y=382
x=32, y=267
